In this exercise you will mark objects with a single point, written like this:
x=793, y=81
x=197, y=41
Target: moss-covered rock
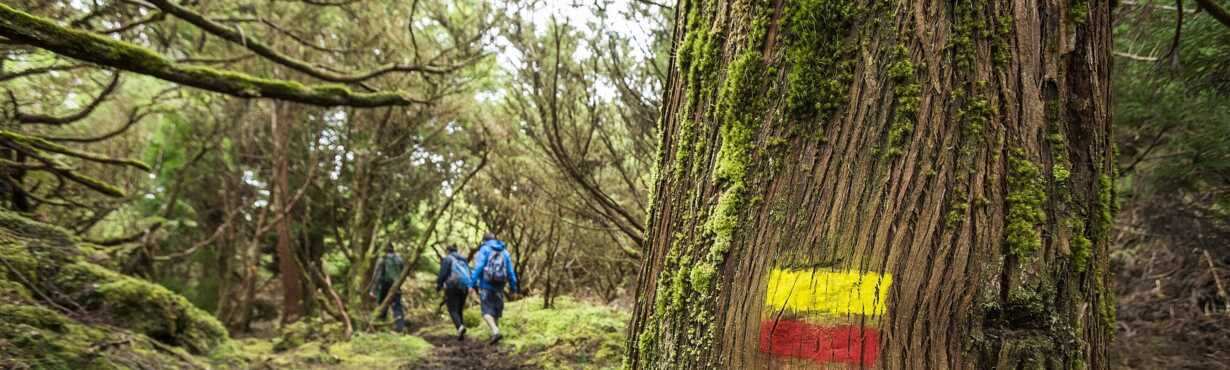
x=35, y=336
x=59, y=311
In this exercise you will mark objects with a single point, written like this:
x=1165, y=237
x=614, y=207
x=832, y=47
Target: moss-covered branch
x=27, y=146
x=87, y=46
x=41, y=144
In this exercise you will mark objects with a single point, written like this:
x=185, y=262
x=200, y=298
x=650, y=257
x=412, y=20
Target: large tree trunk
x=889, y=184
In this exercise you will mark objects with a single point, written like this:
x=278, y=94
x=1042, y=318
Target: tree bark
x=898, y=185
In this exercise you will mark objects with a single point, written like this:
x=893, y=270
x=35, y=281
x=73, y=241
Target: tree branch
x=91, y=47
x=126, y=239
x=1216, y=11
x=266, y=51
x=59, y=169
x=133, y=117
x=73, y=117
x=39, y=70
x=41, y=144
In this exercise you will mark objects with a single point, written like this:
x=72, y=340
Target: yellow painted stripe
x=828, y=292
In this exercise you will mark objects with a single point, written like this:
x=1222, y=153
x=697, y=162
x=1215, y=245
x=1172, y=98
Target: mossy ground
x=573, y=335
x=362, y=351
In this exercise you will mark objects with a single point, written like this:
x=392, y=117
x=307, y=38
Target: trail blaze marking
x=851, y=344
x=820, y=315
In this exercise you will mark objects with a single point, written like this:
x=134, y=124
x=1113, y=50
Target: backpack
x=392, y=269
x=459, y=277
x=496, y=271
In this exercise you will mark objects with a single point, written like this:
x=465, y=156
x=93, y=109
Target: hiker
x=493, y=270
x=454, y=280
x=386, y=272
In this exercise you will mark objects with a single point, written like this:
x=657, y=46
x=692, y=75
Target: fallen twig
x=1221, y=289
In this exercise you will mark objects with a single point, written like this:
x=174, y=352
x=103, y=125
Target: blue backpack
x=459, y=277
x=496, y=270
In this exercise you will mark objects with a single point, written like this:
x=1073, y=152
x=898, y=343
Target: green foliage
x=1078, y=11
x=1170, y=113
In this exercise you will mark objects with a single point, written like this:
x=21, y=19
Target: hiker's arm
x=445, y=269
x=480, y=261
x=512, y=276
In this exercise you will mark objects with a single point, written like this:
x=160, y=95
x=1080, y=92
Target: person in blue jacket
x=493, y=271
x=454, y=280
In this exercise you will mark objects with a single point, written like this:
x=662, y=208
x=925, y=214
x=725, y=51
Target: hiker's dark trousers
x=492, y=302
x=399, y=311
x=455, y=301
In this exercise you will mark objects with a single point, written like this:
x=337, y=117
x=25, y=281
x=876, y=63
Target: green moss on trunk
x=820, y=56
x=1024, y=205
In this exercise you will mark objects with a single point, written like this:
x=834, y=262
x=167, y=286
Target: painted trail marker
x=824, y=316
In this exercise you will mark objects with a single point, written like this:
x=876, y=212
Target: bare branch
x=73, y=117
x=266, y=51
x=1139, y=58
x=152, y=18
x=40, y=70
x=133, y=117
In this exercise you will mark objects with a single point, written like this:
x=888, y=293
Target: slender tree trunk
x=362, y=230
x=548, y=273
x=292, y=279
x=895, y=184
x=228, y=255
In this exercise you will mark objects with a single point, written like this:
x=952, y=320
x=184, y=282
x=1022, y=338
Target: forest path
x=469, y=354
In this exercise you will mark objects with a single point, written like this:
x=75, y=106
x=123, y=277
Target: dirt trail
x=468, y=354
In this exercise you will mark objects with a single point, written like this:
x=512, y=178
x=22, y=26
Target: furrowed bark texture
x=933, y=177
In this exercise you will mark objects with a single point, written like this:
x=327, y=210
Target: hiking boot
x=495, y=339
x=461, y=333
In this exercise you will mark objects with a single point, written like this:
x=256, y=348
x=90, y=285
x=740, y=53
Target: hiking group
x=493, y=272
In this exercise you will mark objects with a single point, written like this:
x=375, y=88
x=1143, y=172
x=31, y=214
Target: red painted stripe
x=849, y=344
